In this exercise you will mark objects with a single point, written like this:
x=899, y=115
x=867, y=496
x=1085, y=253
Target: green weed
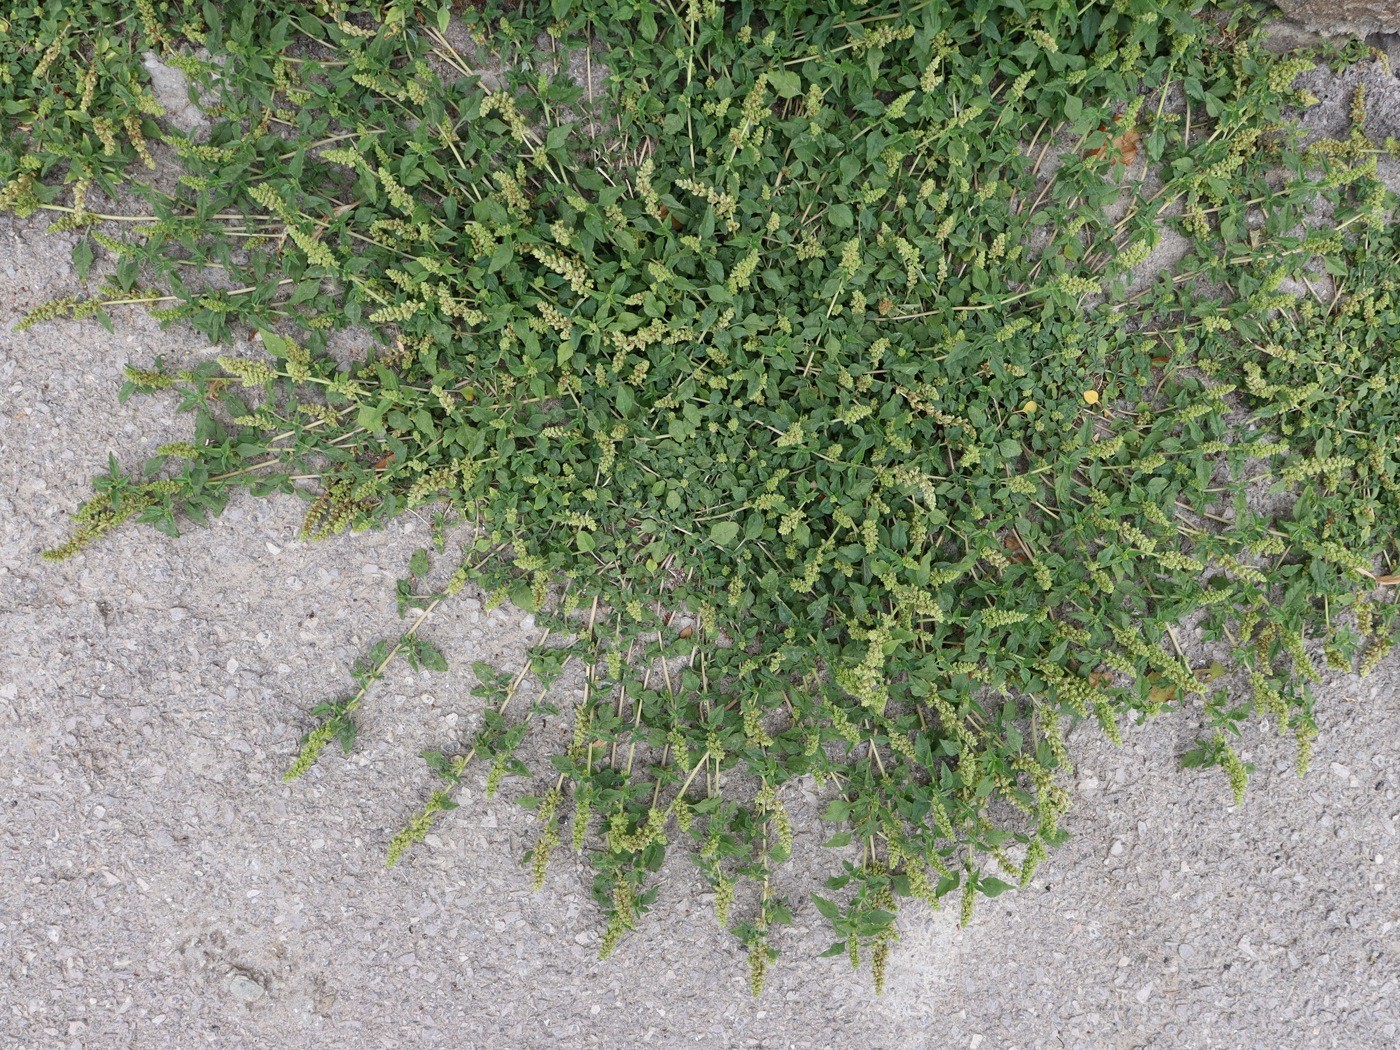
x=796, y=362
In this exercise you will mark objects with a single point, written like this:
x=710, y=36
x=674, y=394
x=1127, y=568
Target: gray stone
x=244, y=988
x=1390, y=44
x=172, y=90
x=1345, y=17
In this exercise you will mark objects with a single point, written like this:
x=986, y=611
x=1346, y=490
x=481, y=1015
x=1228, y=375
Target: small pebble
x=244, y=988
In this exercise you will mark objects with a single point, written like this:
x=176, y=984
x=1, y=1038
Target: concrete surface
x=160, y=887
x=1344, y=17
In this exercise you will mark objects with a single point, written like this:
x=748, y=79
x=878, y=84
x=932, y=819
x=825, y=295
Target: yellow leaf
x=1161, y=694
x=1211, y=673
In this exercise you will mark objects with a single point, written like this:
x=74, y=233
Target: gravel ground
x=161, y=887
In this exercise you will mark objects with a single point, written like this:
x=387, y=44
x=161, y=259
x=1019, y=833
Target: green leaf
x=836, y=810
x=500, y=258
x=370, y=418
x=557, y=136
x=785, y=83
x=82, y=257
x=724, y=533
x=422, y=652
x=1201, y=756
x=626, y=400
x=993, y=887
